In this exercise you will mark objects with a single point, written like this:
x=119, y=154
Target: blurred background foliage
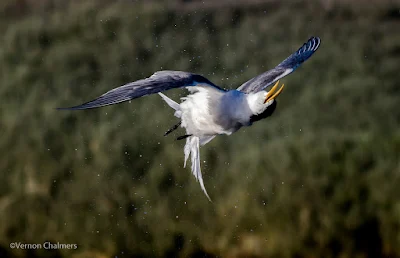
x=320, y=178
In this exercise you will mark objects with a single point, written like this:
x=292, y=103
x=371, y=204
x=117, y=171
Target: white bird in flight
x=210, y=110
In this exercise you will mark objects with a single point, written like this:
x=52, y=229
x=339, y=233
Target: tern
x=210, y=110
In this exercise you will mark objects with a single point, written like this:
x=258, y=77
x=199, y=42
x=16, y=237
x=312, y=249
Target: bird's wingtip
x=310, y=46
x=61, y=108
x=302, y=54
x=71, y=108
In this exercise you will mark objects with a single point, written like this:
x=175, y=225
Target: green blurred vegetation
x=320, y=178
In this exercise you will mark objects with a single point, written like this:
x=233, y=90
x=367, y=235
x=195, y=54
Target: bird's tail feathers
x=172, y=104
x=206, y=139
x=192, y=148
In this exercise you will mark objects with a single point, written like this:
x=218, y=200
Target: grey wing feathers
x=286, y=67
x=158, y=82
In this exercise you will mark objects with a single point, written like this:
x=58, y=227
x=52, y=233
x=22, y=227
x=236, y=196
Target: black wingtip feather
x=302, y=54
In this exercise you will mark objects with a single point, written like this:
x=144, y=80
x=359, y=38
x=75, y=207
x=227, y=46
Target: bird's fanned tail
x=175, y=106
x=192, y=148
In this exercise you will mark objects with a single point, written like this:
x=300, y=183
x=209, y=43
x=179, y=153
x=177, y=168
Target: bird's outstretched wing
x=288, y=65
x=158, y=82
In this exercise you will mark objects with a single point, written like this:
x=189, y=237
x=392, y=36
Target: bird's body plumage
x=210, y=110
x=225, y=112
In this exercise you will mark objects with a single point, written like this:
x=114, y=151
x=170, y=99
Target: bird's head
x=261, y=100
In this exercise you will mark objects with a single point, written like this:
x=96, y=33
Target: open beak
x=272, y=94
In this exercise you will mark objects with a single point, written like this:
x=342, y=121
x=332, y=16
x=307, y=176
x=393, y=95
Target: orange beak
x=272, y=94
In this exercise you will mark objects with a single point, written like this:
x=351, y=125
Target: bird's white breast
x=209, y=111
x=197, y=115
